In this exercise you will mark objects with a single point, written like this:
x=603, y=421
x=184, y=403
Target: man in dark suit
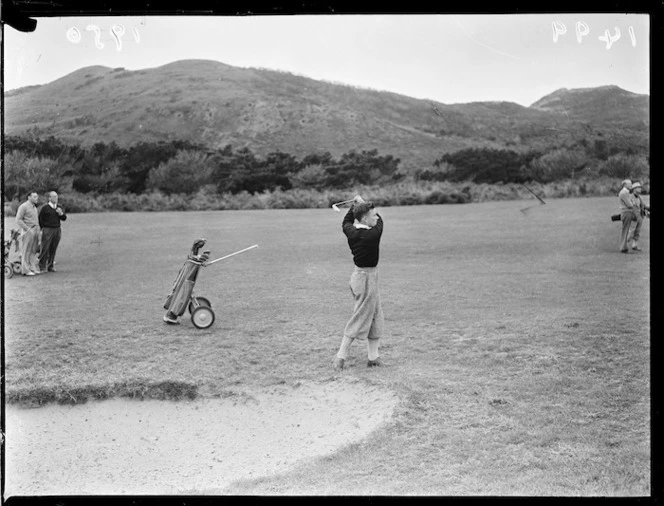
x=50, y=216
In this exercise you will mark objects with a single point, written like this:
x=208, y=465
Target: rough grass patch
x=165, y=390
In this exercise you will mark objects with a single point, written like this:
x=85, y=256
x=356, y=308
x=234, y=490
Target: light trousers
x=635, y=232
x=29, y=241
x=367, y=320
x=626, y=218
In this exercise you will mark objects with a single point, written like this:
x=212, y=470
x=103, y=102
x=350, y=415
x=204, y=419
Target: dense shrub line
x=180, y=167
x=483, y=165
x=403, y=193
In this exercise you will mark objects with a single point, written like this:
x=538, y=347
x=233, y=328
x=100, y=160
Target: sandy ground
x=124, y=446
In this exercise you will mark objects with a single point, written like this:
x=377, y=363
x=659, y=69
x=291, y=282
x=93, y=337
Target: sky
x=448, y=58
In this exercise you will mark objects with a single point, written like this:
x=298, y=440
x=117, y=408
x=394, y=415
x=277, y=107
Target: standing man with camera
x=50, y=216
x=363, y=228
x=627, y=213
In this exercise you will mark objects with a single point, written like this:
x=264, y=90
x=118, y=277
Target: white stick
x=334, y=206
x=344, y=202
x=232, y=254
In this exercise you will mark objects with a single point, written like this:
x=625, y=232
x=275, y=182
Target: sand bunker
x=122, y=446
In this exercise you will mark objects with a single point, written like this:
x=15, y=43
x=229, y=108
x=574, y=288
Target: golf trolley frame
x=12, y=267
x=182, y=295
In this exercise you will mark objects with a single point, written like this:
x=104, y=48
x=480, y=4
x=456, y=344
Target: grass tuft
x=165, y=390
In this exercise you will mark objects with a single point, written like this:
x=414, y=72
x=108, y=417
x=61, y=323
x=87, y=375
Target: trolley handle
x=205, y=264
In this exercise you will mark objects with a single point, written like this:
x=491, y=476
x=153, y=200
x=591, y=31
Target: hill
x=600, y=105
x=216, y=104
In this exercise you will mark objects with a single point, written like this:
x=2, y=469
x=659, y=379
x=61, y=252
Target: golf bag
x=180, y=296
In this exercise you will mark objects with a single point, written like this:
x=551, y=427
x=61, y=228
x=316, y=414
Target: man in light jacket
x=28, y=221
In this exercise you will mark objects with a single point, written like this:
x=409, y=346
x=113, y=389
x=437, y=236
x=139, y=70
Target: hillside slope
x=216, y=104
x=601, y=104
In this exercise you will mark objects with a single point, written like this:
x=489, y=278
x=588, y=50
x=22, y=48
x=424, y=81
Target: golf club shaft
x=344, y=202
x=233, y=254
x=539, y=198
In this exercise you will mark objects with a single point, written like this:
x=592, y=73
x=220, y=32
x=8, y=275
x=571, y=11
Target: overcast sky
x=447, y=58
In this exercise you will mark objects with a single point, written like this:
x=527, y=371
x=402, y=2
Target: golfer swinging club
x=363, y=228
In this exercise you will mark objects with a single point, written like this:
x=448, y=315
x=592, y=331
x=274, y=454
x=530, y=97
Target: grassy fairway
x=518, y=343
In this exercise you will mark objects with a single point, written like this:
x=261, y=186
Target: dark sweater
x=363, y=242
x=48, y=217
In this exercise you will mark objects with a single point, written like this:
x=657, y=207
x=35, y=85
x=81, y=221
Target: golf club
x=541, y=200
x=538, y=197
x=232, y=254
x=336, y=206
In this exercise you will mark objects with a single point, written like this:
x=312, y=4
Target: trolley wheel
x=9, y=272
x=17, y=267
x=201, y=301
x=202, y=317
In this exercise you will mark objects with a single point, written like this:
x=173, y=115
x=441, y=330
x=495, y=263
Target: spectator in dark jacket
x=50, y=216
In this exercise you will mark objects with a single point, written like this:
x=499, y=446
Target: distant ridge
x=216, y=104
x=596, y=104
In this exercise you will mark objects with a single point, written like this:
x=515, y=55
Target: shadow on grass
x=165, y=390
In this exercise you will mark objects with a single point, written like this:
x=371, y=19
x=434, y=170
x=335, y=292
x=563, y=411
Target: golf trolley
x=12, y=264
x=182, y=295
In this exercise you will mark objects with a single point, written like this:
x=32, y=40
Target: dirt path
x=157, y=447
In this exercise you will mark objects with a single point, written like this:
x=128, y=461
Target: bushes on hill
x=244, y=171
x=100, y=168
x=139, y=159
x=185, y=173
x=621, y=166
x=233, y=171
x=312, y=176
x=24, y=173
x=49, y=147
x=493, y=166
x=101, y=179
x=180, y=166
x=238, y=171
x=557, y=164
x=366, y=167
x=483, y=165
x=441, y=171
